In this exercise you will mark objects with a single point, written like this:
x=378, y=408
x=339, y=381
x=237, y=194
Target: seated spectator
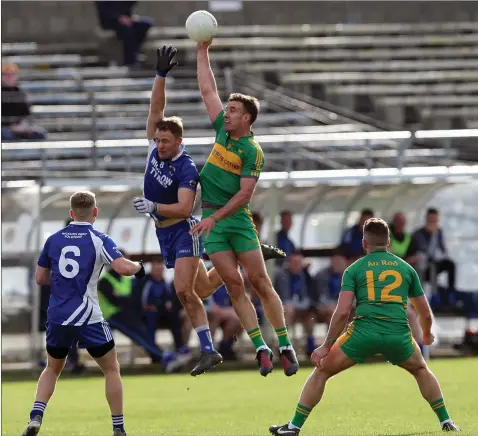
x=403, y=245
x=120, y=310
x=131, y=30
x=328, y=282
x=297, y=292
x=221, y=314
x=432, y=250
x=351, y=243
x=161, y=307
x=16, y=116
x=283, y=240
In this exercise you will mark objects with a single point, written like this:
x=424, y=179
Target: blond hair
x=82, y=203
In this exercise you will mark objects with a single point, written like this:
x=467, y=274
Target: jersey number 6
x=385, y=294
x=64, y=262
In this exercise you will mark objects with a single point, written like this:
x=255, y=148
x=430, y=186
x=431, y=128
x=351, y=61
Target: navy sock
x=310, y=344
x=38, y=409
x=118, y=422
x=205, y=338
x=228, y=343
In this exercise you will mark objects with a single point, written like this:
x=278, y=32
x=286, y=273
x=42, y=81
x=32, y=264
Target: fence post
x=35, y=297
x=94, y=133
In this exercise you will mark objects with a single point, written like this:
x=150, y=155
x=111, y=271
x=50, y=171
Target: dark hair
x=256, y=216
x=171, y=124
x=432, y=211
x=367, y=211
x=377, y=232
x=251, y=104
x=285, y=212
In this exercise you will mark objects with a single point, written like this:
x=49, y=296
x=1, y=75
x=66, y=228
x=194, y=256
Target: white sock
x=446, y=420
x=287, y=347
x=262, y=347
x=292, y=426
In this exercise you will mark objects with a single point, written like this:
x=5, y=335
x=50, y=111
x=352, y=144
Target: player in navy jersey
x=170, y=183
x=71, y=262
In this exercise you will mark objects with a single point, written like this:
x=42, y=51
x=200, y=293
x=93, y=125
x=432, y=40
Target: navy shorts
x=176, y=242
x=87, y=336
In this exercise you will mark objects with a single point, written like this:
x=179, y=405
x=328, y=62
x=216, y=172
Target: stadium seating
x=386, y=71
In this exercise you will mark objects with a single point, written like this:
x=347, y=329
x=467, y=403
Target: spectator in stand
x=402, y=243
x=328, y=282
x=434, y=259
x=161, y=307
x=16, y=116
x=431, y=246
x=130, y=29
x=295, y=286
x=222, y=314
x=351, y=243
x=283, y=240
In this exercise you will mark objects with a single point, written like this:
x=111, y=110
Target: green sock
x=439, y=408
x=283, y=337
x=301, y=414
x=256, y=338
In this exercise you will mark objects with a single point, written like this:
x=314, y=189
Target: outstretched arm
x=207, y=83
x=156, y=105
x=158, y=96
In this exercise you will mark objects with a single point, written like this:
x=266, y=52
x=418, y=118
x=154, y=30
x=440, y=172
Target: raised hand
x=164, y=63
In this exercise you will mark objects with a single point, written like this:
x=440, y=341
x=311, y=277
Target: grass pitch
x=374, y=399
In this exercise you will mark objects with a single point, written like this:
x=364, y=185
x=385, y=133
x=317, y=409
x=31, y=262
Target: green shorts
x=236, y=233
x=358, y=343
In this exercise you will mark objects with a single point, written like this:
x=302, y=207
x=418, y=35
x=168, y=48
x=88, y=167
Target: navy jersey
x=164, y=178
x=76, y=255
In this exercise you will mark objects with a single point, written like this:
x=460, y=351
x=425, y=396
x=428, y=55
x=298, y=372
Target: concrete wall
x=56, y=21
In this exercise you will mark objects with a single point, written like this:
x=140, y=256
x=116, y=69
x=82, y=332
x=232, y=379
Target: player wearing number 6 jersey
x=381, y=283
x=71, y=262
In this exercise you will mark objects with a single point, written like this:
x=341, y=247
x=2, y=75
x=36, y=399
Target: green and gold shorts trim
x=235, y=233
x=358, y=343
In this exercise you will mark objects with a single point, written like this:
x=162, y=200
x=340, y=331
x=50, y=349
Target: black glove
x=141, y=273
x=165, y=63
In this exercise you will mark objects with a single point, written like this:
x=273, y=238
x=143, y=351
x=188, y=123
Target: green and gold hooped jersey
x=382, y=283
x=230, y=159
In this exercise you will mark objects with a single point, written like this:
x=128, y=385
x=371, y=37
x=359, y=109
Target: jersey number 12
x=385, y=294
x=65, y=262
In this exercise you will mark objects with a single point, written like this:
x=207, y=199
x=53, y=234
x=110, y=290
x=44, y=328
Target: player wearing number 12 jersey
x=71, y=262
x=381, y=283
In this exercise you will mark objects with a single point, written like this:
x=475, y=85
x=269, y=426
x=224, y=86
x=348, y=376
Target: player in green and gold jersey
x=381, y=283
x=228, y=181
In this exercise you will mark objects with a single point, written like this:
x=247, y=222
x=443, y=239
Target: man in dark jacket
x=297, y=292
x=431, y=245
x=161, y=307
x=123, y=313
x=351, y=242
x=16, y=123
x=131, y=30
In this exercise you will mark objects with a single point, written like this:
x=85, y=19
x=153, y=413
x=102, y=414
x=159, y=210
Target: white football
x=201, y=26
